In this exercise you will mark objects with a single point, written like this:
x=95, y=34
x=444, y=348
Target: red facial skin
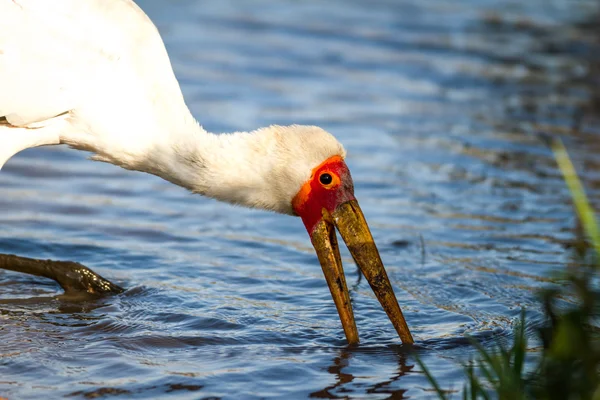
x=314, y=196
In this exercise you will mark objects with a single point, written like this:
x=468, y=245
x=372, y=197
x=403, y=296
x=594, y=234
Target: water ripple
x=456, y=100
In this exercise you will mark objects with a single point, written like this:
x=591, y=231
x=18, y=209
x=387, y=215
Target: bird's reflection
x=341, y=387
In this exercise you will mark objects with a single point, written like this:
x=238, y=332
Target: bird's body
x=101, y=61
x=95, y=75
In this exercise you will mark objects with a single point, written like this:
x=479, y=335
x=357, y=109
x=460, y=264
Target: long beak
x=351, y=223
x=325, y=243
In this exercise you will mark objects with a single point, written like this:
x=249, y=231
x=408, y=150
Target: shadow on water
x=463, y=197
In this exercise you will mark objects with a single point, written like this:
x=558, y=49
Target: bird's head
x=301, y=170
x=315, y=181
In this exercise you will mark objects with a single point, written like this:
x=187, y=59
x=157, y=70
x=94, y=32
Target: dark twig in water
x=358, y=277
x=71, y=276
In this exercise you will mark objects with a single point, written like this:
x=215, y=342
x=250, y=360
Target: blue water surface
x=440, y=105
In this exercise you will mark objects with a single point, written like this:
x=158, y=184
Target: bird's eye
x=326, y=178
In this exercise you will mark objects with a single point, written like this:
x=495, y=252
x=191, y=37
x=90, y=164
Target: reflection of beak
x=351, y=223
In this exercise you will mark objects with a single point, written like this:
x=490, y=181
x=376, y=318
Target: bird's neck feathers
x=260, y=169
x=231, y=167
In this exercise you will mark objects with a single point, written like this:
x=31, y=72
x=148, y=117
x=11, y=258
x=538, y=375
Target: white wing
x=46, y=52
x=101, y=60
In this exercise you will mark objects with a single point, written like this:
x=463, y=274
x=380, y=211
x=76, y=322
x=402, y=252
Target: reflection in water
x=342, y=388
x=341, y=378
x=441, y=108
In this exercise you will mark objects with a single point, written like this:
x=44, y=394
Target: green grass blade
x=487, y=357
x=582, y=205
x=476, y=389
x=492, y=380
x=520, y=346
x=431, y=379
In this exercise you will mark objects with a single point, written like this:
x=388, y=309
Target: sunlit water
x=440, y=106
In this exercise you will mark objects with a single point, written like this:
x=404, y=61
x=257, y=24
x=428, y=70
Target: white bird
x=95, y=75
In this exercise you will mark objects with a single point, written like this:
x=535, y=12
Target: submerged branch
x=71, y=276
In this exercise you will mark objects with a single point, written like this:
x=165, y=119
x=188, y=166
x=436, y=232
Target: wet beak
x=351, y=223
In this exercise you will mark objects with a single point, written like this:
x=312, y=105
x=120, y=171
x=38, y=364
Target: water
x=439, y=105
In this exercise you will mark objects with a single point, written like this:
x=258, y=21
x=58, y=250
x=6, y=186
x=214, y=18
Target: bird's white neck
x=263, y=169
x=231, y=167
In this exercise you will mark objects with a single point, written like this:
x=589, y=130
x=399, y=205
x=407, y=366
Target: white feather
x=95, y=75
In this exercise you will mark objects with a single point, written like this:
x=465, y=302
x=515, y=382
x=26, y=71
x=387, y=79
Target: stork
x=95, y=75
